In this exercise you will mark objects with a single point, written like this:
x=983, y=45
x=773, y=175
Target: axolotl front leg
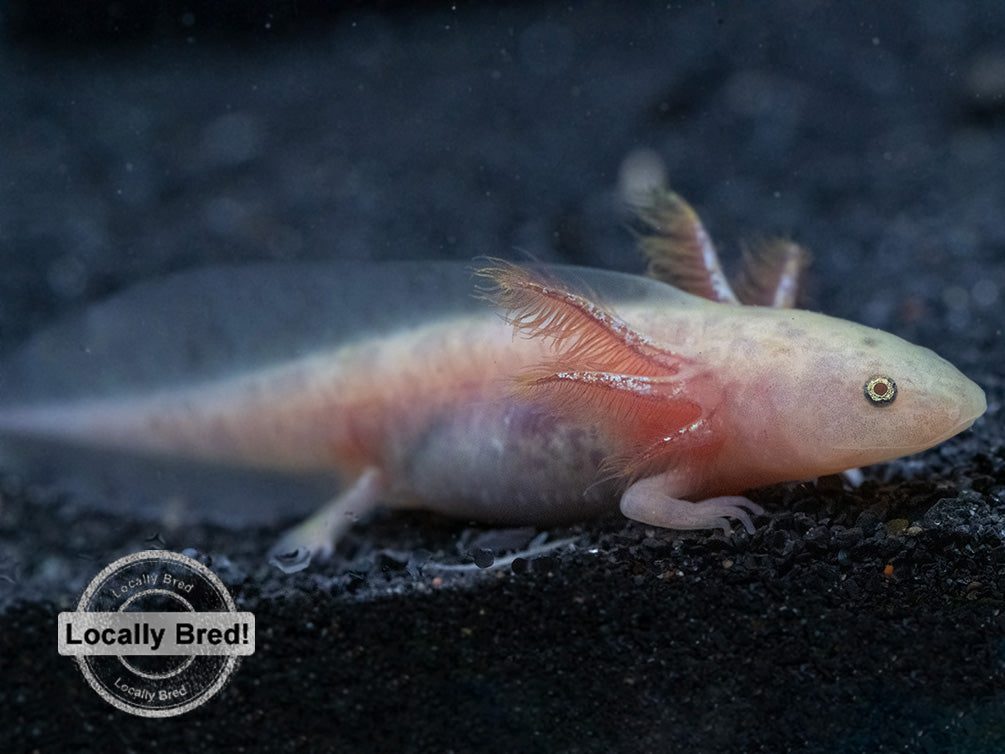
x=649, y=502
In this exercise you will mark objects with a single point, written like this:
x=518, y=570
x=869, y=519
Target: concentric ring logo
x=156, y=634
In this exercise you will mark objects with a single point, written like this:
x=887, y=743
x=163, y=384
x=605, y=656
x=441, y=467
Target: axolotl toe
x=556, y=394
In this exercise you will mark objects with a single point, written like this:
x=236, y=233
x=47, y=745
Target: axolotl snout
x=555, y=394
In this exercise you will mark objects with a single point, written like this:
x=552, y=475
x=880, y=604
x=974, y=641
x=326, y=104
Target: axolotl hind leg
x=648, y=502
x=315, y=537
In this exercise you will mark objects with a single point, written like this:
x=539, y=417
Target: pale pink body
x=429, y=416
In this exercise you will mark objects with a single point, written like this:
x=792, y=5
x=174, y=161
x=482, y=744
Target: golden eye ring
x=880, y=391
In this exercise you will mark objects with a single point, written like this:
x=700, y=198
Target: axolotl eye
x=880, y=391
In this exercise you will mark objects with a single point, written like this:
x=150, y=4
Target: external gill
x=681, y=253
x=652, y=402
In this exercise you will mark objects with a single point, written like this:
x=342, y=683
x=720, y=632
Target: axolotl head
x=833, y=395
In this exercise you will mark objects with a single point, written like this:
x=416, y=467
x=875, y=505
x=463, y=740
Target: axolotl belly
x=558, y=395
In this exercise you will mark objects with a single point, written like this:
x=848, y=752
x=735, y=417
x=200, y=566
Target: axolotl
x=522, y=394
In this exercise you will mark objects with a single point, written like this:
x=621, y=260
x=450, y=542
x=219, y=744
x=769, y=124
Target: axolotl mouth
x=969, y=413
x=971, y=403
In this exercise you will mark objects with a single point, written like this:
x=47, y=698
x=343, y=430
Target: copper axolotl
x=517, y=394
